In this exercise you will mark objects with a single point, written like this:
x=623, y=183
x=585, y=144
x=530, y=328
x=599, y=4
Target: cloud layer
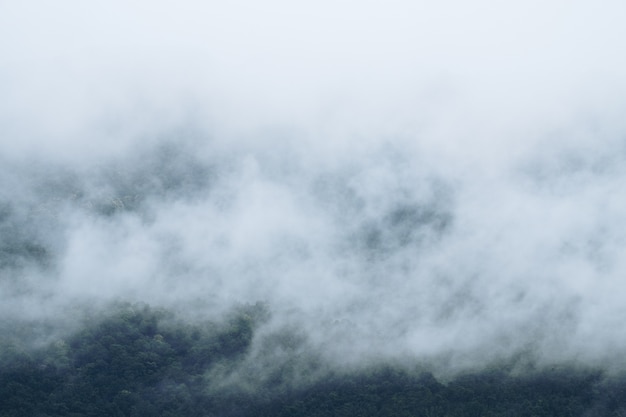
x=435, y=182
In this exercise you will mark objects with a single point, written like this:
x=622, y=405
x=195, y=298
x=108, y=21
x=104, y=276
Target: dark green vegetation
x=144, y=362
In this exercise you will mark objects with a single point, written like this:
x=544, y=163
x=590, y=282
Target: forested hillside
x=139, y=361
x=312, y=208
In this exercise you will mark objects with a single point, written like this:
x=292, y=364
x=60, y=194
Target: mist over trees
x=360, y=312
x=323, y=208
x=139, y=361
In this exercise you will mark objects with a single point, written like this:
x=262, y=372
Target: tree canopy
x=140, y=361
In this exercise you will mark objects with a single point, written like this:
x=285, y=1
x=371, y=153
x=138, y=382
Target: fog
x=396, y=181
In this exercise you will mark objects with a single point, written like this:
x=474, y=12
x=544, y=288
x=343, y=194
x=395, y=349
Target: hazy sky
x=394, y=178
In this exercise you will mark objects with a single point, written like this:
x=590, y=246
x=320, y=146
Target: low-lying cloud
x=435, y=183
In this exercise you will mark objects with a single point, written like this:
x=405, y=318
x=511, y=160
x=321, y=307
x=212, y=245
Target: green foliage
x=136, y=362
x=144, y=362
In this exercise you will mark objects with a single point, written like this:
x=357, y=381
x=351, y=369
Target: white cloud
x=442, y=177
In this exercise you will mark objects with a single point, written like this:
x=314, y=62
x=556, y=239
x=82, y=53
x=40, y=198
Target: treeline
x=137, y=362
x=389, y=392
x=145, y=362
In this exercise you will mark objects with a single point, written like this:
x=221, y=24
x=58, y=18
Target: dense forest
x=141, y=361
